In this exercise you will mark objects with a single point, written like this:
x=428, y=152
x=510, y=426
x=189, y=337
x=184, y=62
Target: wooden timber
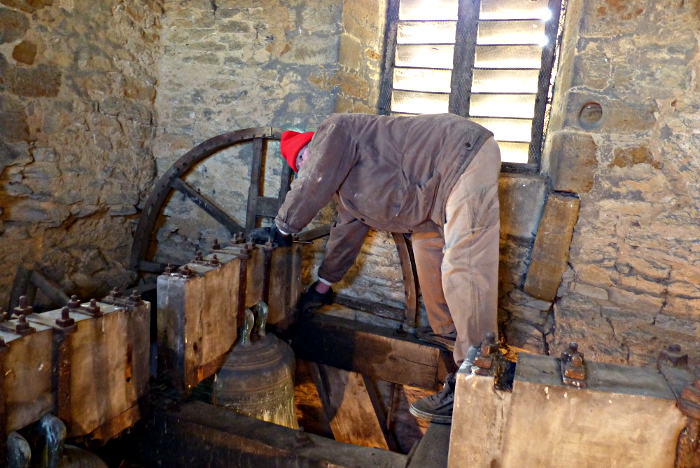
x=198, y=434
x=103, y=389
x=369, y=350
x=28, y=376
x=348, y=407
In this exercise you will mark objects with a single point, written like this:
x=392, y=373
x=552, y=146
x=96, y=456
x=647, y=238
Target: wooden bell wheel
x=173, y=180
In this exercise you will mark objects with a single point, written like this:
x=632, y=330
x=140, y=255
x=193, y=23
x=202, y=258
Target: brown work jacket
x=389, y=173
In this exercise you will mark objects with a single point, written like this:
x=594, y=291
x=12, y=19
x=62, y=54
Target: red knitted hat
x=290, y=145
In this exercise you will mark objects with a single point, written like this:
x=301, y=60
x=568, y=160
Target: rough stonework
x=632, y=286
x=75, y=146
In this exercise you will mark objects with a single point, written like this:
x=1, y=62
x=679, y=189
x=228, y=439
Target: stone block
x=351, y=53
x=613, y=115
x=483, y=411
x=521, y=200
x=25, y=52
x=524, y=336
x=550, y=253
x=13, y=25
x=592, y=68
x=554, y=425
x=573, y=162
x=589, y=291
x=42, y=81
x=13, y=125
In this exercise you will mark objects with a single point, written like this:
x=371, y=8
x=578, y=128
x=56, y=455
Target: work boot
x=437, y=408
x=445, y=341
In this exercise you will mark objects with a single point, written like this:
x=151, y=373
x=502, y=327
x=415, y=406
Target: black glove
x=312, y=299
x=262, y=235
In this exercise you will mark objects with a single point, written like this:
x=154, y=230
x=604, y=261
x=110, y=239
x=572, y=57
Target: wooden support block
x=28, y=376
x=625, y=417
x=196, y=320
x=284, y=282
x=369, y=350
x=106, y=383
x=482, y=412
x=348, y=407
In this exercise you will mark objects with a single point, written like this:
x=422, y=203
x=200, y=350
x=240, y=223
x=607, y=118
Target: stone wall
x=624, y=141
x=229, y=65
x=77, y=86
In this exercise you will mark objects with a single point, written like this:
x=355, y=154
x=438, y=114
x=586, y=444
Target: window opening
x=488, y=60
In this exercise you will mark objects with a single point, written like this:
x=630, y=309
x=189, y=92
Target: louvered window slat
x=488, y=60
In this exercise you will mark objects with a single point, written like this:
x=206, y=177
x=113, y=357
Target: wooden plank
x=374, y=308
x=313, y=234
x=353, y=417
x=197, y=431
x=207, y=205
x=379, y=412
x=370, y=350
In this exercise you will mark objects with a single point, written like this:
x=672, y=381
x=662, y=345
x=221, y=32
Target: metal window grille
x=488, y=60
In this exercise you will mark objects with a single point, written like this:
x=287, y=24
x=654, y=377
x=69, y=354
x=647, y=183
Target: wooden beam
x=370, y=350
x=207, y=205
x=197, y=432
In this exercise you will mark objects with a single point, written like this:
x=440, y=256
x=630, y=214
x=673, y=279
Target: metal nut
x=65, y=321
x=23, y=308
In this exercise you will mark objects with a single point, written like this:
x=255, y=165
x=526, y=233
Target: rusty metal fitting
x=74, y=302
x=114, y=294
x=92, y=308
x=268, y=245
x=23, y=308
x=567, y=354
x=215, y=260
x=673, y=356
x=135, y=298
x=689, y=401
x=169, y=269
x=185, y=272
x=216, y=245
x=401, y=331
x=486, y=362
x=302, y=439
x=22, y=327
x=198, y=257
x=65, y=321
x=573, y=367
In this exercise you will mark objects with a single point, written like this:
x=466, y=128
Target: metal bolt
x=74, y=302
x=93, y=308
x=115, y=293
x=186, y=272
x=400, y=331
x=65, y=321
x=169, y=269
x=570, y=351
x=215, y=245
x=215, y=260
x=24, y=308
x=489, y=345
x=135, y=298
x=22, y=327
x=198, y=256
x=268, y=244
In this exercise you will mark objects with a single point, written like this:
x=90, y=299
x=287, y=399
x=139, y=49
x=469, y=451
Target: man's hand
x=262, y=235
x=312, y=299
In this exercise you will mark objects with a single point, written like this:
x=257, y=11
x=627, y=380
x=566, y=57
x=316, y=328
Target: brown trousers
x=458, y=272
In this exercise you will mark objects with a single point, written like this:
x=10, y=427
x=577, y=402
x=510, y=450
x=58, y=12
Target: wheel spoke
x=207, y=205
